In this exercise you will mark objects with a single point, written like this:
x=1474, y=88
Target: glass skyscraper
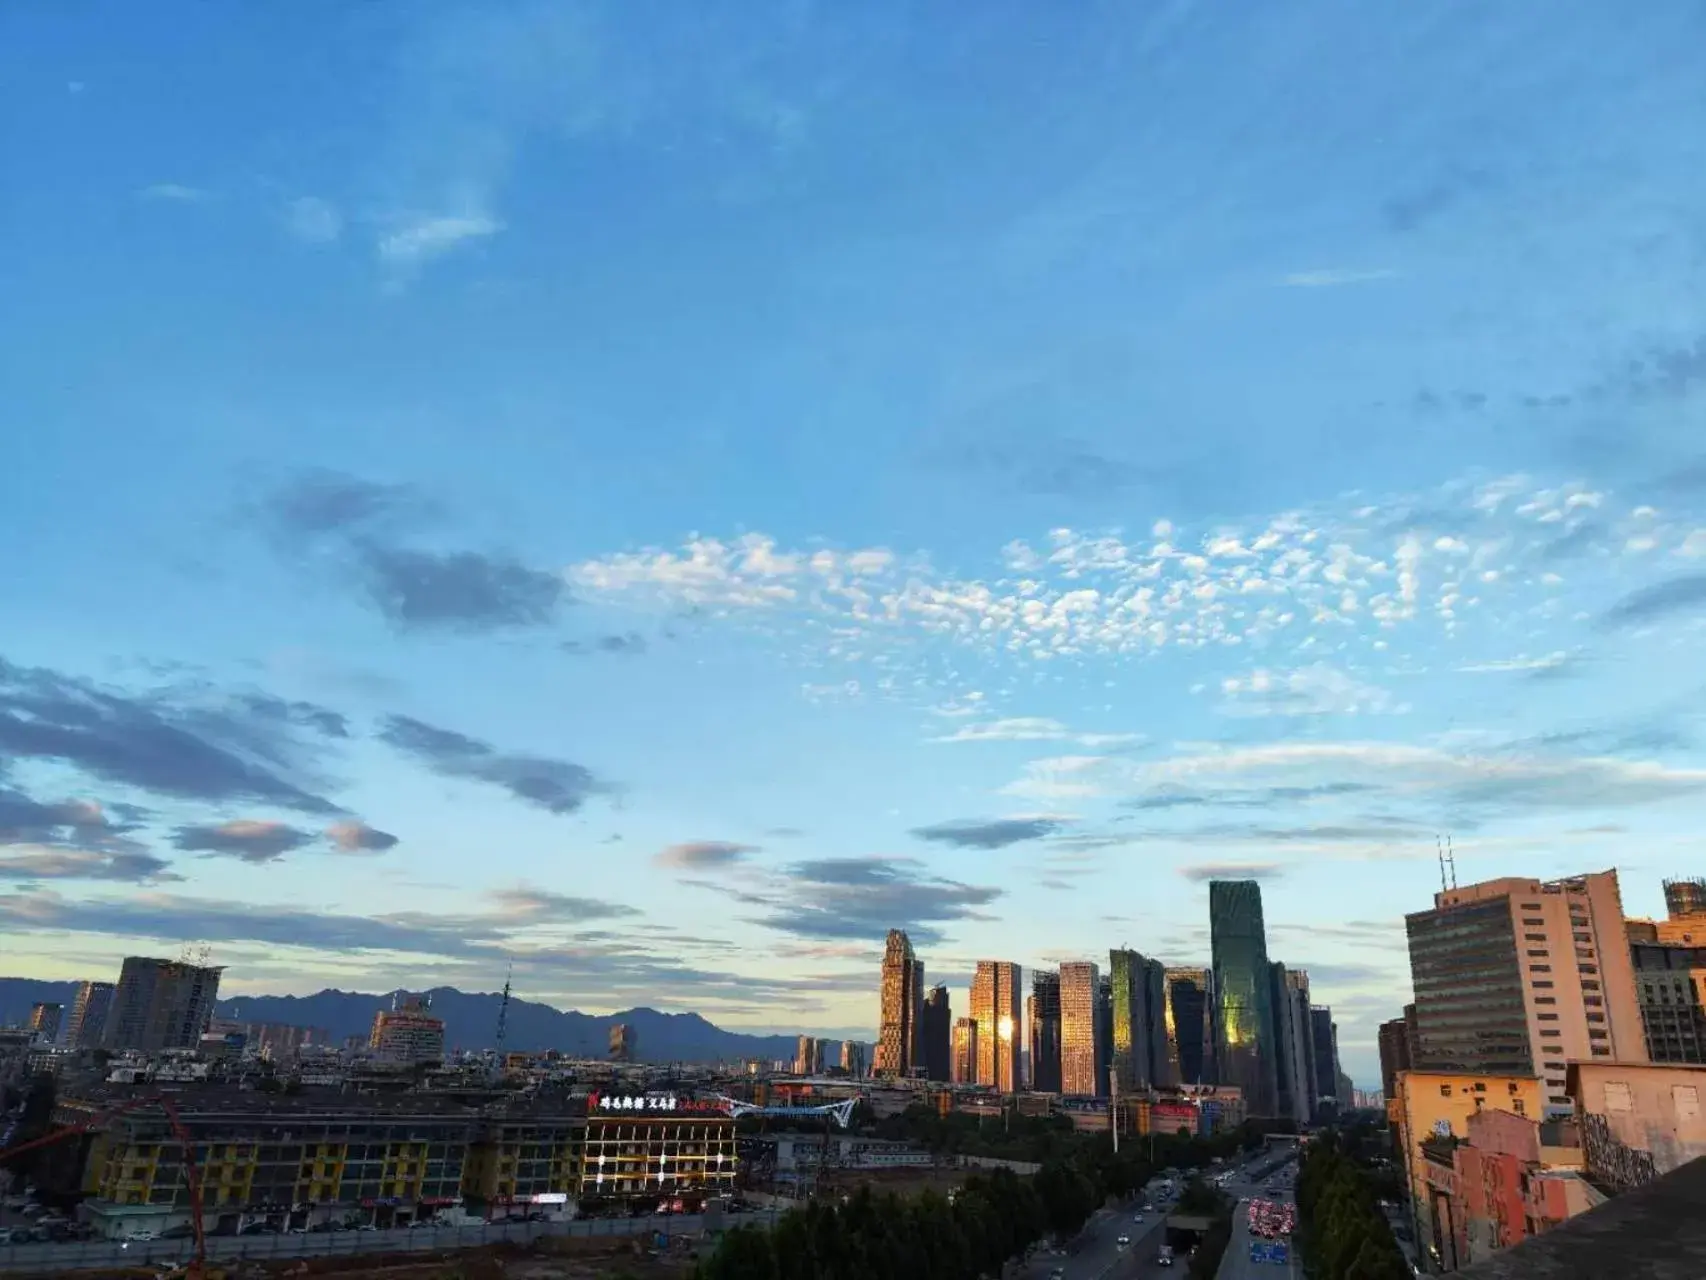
x=936, y=1027
x=1243, y=992
x=1080, y=1029
x=996, y=1006
x=1137, y=1020
x=1190, y=1025
x=1044, y=1009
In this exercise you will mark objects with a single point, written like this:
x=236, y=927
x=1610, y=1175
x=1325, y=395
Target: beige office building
x=963, y=1068
x=1519, y=977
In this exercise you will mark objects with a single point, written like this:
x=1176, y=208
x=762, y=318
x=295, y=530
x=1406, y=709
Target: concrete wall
x=1639, y=1121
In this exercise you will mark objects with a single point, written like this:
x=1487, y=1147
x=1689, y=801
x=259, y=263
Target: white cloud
x=1317, y=690
x=1334, y=277
x=174, y=191
x=420, y=240
x=1428, y=777
x=1034, y=729
x=1694, y=544
x=1550, y=662
x=313, y=220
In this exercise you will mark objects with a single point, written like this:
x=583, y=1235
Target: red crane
x=192, y=1172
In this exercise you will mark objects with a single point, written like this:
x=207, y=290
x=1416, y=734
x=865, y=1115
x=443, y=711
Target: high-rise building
x=995, y=1005
x=1190, y=1028
x=1670, y=985
x=1244, y=1019
x=89, y=1010
x=45, y=1019
x=899, y=1034
x=1394, y=1054
x=964, y=1051
x=1161, y=1071
x=408, y=1033
x=808, y=1056
x=1104, y=1035
x=1128, y=1046
x=160, y=1004
x=1294, y=1044
x=1686, y=899
x=1043, y=1013
x=624, y=1042
x=937, y=1026
x=1326, y=1054
x=1080, y=1029
x=1519, y=977
x=852, y=1058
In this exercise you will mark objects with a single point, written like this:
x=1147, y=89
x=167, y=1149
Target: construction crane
x=196, y=1268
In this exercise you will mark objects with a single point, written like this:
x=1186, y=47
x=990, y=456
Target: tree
x=742, y=1254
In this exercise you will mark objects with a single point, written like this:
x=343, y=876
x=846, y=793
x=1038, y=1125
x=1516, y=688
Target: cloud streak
x=556, y=786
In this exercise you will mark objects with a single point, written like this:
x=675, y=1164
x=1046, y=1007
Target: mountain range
x=470, y=1022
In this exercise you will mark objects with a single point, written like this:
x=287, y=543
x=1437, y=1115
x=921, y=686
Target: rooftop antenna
x=503, y=1007
x=1439, y=851
x=1451, y=861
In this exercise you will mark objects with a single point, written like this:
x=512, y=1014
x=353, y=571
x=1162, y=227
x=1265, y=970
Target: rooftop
x=1657, y=1232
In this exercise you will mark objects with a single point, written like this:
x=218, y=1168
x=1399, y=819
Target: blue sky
x=660, y=499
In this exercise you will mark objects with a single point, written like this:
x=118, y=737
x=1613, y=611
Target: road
x=1235, y=1263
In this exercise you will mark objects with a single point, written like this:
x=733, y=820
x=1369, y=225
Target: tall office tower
x=1190, y=1030
x=1244, y=1021
x=853, y=1058
x=624, y=1042
x=1294, y=1042
x=45, y=1019
x=1137, y=1018
x=937, y=1024
x=1080, y=1029
x=964, y=1051
x=1518, y=977
x=1394, y=1055
x=1685, y=899
x=409, y=1033
x=808, y=1056
x=1045, y=1031
x=160, y=1004
x=899, y=1032
x=89, y=1010
x=1104, y=1035
x=995, y=1005
x=1326, y=1054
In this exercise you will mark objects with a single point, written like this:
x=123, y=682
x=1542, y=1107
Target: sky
x=651, y=500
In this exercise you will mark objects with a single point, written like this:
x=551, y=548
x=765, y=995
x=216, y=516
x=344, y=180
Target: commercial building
x=1189, y=997
x=1081, y=1043
x=1434, y=1108
x=1043, y=1014
x=45, y=1019
x=995, y=1006
x=1394, y=1039
x=160, y=1004
x=853, y=1058
x=1104, y=1035
x=89, y=1009
x=1244, y=1021
x=407, y=1034
x=963, y=1067
x=898, y=1035
x=1326, y=1037
x=1670, y=987
x=624, y=1043
x=1294, y=1044
x=808, y=1056
x=1137, y=1020
x=936, y=1033
x=1519, y=976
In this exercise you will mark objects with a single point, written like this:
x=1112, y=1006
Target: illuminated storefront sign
x=652, y=1104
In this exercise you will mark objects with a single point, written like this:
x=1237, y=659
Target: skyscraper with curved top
x=1244, y=1016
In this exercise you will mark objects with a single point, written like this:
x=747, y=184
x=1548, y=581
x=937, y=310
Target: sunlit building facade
x=1244, y=1020
x=898, y=1036
x=996, y=1008
x=1081, y=1048
x=963, y=1069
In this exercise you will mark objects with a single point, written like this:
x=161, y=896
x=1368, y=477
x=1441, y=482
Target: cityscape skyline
x=697, y=497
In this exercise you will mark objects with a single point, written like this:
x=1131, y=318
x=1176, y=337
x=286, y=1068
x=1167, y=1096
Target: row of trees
x=1341, y=1231
x=988, y=1220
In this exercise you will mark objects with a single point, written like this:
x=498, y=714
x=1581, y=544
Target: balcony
x=1657, y=1232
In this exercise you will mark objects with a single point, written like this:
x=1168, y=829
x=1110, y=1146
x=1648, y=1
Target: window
x=1619, y=1096
x=1549, y=1017
x=1551, y=1048
x=1545, y=999
x=1686, y=1099
x=1542, y=952
x=1543, y=968
x=1445, y=1091
x=1534, y=937
x=1543, y=984
x=1590, y=986
x=1550, y=1031
x=1480, y=1086
x=1533, y=924
x=1519, y=1108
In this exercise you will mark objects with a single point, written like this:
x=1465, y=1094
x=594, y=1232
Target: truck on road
x=1164, y=1255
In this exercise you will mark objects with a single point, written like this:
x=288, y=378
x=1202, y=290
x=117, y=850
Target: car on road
x=1123, y=1242
x=1059, y=1273
x=1164, y=1256
x=1137, y=1217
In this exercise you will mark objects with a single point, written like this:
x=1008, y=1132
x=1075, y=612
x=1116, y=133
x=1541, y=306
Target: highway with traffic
x=1101, y=1255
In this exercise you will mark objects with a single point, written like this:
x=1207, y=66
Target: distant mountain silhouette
x=470, y=1022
